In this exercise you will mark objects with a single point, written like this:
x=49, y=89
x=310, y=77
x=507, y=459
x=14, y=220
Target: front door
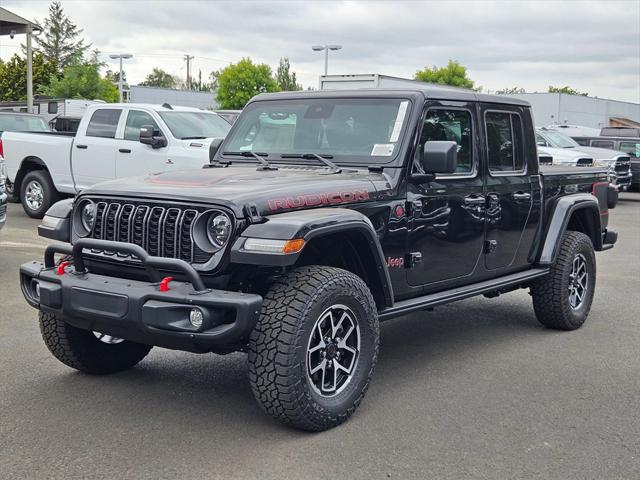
x=447, y=215
x=135, y=158
x=511, y=188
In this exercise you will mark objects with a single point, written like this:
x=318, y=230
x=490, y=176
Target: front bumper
x=137, y=310
x=3, y=209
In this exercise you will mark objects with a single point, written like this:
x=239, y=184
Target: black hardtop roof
x=429, y=91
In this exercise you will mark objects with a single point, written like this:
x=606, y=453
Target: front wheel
x=89, y=352
x=313, y=351
x=37, y=193
x=563, y=298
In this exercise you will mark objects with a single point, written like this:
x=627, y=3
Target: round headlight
x=219, y=229
x=88, y=216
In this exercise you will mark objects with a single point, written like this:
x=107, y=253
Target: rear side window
x=602, y=144
x=632, y=148
x=504, y=142
x=137, y=119
x=452, y=126
x=104, y=123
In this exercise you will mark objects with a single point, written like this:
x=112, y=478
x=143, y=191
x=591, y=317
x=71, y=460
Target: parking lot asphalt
x=476, y=389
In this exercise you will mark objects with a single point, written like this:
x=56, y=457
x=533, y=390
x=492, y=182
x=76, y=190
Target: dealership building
x=548, y=108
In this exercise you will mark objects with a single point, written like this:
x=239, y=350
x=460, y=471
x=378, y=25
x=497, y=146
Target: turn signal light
x=293, y=246
x=274, y=246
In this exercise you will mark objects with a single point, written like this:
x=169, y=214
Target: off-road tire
x=81, y=349
x=551, y=292
x=278, y=346
x=50, y=194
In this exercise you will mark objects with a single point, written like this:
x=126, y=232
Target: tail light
x=1, y=150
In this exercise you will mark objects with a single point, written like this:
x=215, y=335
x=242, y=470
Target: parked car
x=113, y=141
x=627, y=144
x=22, y=122
x=619, y=163
x=321, y=214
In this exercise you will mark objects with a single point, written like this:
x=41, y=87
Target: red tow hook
x=62, y=266
x=164, y=284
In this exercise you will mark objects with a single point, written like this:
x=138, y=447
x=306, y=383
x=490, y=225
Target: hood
x=563, y=155
x=602, y=154
x=235, y=186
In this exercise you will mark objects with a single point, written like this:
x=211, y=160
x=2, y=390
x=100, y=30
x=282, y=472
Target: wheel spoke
x=346, y=370
x=343, y=340
x=321, y=366
x=334, y=331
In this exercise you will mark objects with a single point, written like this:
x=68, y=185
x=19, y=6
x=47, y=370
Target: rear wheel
x=313, y=351
x=89, y=352
x=37, y=193
x=562, y=299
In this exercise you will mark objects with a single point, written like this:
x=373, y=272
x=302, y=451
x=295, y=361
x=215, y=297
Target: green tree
x=13, y=77
x=566, y=89
x=511, y=90
x=238, y=82
x=453, y=74
x=82, y=80
x=160, y=79
x=286, y=79
x=59, y=41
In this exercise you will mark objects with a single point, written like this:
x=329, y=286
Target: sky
x=593, y=46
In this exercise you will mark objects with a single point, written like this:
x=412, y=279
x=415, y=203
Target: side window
x=453, y=126
x=104, y=123
x=135, y=121
x=632, y=148
x=582, y=141
x=504, y=142
x=541, y=142
x=602, y=144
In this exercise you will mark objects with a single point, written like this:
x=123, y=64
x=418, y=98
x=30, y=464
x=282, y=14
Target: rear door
x=512, y=185
x=447, y=214
x=133, y=157
x=94, y=150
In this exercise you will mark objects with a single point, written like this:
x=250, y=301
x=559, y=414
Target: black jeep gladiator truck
x=320, y=215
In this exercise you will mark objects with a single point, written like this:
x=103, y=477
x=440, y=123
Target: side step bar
x=440, y=298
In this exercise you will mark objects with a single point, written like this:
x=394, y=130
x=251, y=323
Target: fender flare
x=310, y=224
x=563, y=209
x=20, y=173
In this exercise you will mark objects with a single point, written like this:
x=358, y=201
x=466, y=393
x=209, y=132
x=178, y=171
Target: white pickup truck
x=110, y=143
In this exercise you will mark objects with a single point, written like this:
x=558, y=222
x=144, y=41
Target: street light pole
x=121, y=56
x=326, y=48
x=29, y=70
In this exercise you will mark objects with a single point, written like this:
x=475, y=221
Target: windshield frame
x=190, y=112
x=338, y=159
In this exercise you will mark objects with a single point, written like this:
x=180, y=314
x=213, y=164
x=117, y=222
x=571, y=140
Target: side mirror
x=213, y=148
x=148, y=138
x=440, y=157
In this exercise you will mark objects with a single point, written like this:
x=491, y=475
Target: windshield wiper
x=193, y=138
x=264, y=165
x=323, y=158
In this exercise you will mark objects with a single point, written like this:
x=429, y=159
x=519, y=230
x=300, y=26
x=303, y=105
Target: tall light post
x=326, y=48
x=120, y=56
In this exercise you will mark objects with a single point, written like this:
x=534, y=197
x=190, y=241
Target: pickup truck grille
x=163, y=231
x=623, y=165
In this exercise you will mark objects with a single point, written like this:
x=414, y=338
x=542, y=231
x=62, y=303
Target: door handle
x=169, y=161
x=124, y=150
x=474, y=200
x=81, y=147
x=521, y=196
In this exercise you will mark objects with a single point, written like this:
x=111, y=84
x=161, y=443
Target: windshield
x=559, y=140
x=22, y=123
x=195, y=124
x=366, y=130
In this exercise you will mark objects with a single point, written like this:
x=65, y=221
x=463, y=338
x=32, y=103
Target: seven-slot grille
x=163, y=231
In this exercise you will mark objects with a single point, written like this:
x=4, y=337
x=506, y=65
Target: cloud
x=592, y=46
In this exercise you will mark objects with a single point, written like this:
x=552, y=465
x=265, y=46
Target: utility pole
x=29, y=70
x=188, y=58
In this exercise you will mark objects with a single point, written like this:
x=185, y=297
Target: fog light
x=196, y=317
x=37, y=290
